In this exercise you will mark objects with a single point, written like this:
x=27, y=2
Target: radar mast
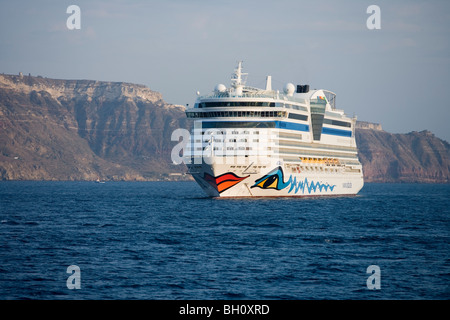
x=237, y=83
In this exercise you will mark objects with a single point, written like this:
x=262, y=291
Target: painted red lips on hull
x=224, y=181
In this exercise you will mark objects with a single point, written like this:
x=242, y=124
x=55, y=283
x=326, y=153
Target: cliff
x=368, y=125
x=411, y=157
x=83, y=130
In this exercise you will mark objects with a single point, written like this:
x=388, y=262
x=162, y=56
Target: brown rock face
x=82, y=130
x=411, y=157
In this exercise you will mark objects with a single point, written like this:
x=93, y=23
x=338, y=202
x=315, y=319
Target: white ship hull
x=276, y=181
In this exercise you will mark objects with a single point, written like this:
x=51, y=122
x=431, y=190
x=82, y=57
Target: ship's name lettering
x=347, y=185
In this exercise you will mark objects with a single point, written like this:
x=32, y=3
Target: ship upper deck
x=253, y=94
x=238, y=97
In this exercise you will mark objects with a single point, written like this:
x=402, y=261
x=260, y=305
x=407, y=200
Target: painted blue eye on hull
x=272, y=180
x=275, y=180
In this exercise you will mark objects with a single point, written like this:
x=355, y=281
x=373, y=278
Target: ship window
x=215, y=114
x=238, y=124
x=337, y=123
x=236, y=104
x=297, y=116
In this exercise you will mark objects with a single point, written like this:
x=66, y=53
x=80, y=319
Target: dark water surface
x=166, y=240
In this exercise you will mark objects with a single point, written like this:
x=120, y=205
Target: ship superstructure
x=262, y=142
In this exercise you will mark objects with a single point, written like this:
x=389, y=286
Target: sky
x=397, y=75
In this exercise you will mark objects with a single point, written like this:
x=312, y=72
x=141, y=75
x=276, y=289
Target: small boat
x=99, y=181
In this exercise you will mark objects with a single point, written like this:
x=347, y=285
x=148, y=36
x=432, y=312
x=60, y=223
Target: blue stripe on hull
x=291, y=126
x=336, y=132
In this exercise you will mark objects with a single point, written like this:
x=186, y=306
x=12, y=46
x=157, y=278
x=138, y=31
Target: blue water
x=166, y=240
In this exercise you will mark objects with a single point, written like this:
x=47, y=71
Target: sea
x=168, y=241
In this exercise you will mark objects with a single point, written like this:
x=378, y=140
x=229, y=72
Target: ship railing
x=242, y=95
x=260, y=94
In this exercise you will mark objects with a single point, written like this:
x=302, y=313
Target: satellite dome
x=220, y=88
x=289, y=89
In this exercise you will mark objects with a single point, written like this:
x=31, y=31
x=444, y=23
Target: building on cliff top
x=368, y=125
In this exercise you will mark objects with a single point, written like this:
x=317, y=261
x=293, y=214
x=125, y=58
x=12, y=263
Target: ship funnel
x=269, y=83
x=303, y=89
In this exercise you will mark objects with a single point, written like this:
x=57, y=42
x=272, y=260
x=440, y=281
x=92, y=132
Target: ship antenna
x=236, y=79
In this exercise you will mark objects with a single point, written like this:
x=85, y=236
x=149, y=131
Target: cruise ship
x=251, y=142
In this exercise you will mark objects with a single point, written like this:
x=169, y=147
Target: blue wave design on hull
x=310, y=186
